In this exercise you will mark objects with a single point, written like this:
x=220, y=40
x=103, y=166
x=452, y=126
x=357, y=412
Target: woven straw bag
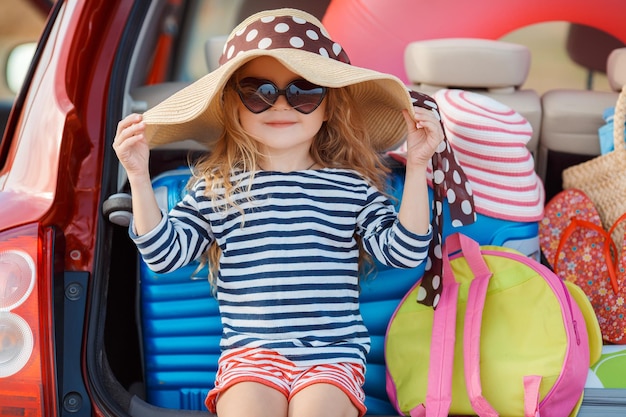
x=603, y=178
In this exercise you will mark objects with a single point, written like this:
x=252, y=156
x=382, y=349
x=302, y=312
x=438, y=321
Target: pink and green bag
x=507, y=338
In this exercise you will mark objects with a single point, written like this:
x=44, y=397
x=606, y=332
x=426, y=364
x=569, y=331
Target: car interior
x=161, y=333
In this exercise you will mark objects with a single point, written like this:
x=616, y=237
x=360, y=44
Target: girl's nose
x=281, y=103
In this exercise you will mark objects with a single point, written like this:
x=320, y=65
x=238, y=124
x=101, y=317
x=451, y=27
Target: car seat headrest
x=616, y=68
x=467, y=63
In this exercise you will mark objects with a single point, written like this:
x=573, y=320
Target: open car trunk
x=141, y=371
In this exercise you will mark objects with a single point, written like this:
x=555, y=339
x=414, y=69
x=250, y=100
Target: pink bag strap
x=531, y=395
x=439, y=391
x=471, y=340
x=419, y=411
x=473, y=320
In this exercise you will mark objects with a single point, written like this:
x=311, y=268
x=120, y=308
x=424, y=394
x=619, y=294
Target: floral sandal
x=579, y=250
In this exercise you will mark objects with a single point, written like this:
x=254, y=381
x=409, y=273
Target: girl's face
x=282, y=131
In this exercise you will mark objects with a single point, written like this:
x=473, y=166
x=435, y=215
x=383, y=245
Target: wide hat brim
x=196, y=113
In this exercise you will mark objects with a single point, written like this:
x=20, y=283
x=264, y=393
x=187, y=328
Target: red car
x=71, y=340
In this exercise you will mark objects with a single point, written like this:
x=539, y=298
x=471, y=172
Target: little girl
x=286, y=205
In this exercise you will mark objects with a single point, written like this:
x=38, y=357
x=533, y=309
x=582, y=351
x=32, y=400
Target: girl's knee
x=325, y=400
x=251, y=399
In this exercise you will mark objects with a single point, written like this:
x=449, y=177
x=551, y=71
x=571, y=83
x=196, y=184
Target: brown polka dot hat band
x=274, y=32
x=300, y=42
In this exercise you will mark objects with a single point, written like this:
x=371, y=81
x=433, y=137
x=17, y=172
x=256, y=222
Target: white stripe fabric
x=272, y=369
x=489, y=140
x=288, y=278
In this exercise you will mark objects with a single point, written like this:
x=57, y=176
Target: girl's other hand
x=424, y=136
x=131, y=146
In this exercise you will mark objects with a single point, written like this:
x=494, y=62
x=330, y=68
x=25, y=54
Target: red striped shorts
x=273, y=370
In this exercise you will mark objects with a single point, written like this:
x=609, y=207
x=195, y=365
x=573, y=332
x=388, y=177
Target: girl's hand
x=424, y=136
x=132, y=149
x=131, y=146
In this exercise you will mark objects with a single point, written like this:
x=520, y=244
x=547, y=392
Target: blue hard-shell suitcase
x=180, y=322
x=181, y=325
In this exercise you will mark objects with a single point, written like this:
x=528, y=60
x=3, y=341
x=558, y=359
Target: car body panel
x=55, y=157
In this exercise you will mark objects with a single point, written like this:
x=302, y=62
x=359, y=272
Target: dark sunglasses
x=259, y=95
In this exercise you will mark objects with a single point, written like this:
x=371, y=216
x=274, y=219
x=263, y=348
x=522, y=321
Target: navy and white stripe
x=288, y=276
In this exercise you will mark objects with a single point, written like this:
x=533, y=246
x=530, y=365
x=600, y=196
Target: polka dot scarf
x=449, y=181
x=274, y=32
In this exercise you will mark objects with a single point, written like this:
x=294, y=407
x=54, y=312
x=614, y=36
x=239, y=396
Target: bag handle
x=472, y=328
x=439, y=391
x=471, y=340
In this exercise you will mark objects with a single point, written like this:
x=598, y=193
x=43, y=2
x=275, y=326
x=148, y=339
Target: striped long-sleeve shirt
x=288, y=273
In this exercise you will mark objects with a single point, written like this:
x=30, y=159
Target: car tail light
x=17, y=344
x=26, y=326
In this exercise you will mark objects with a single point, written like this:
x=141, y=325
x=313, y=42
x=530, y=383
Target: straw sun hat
x=300, y=42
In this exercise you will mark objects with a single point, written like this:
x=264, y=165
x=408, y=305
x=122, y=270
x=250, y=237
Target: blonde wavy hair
x=342, y=142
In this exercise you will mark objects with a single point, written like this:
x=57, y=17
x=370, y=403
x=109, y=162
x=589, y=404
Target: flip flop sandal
x=558, y=213
x=581, y=251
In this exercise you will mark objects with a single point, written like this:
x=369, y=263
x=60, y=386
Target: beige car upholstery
x=571, y=118
x=494, y=68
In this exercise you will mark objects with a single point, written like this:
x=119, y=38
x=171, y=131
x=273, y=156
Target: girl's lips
x=281, y=124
